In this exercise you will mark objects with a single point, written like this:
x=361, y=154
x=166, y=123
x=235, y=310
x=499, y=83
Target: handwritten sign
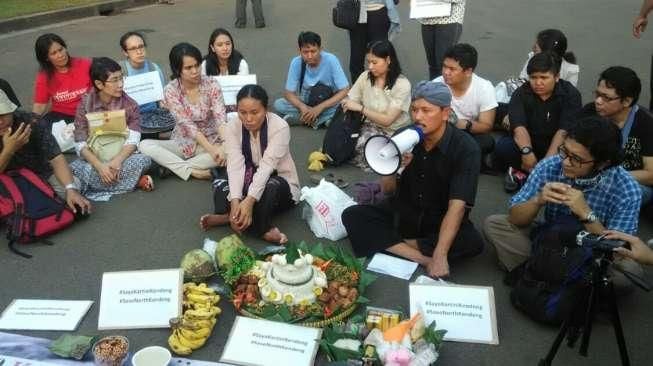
x=16, y=361
x=144, y=88
x=231, y=85
x=466, y=312
x=429, y=9
x=140, y=299
x=24, y=314
x=266, y=343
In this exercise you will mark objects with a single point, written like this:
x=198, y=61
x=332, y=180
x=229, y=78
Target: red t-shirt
x=64, y=89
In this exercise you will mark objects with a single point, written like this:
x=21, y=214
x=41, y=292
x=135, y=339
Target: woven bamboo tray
x=317, y=324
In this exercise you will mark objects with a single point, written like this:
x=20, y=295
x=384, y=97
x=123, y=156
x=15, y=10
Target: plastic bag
x=325, y=203
x=501, y=91
x=63, y=133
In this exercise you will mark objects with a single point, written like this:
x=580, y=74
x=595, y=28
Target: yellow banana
x=190, y=343
x=200, y=289
x=195, y=334
x=177, y=347
x=196, y=324
x=202, y=298
x=200, y=314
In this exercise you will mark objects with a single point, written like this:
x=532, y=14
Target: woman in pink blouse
x=196, y=103
x=261, y=175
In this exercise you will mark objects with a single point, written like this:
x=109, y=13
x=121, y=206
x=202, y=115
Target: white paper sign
x=24, y=314
x=140, y=299
x=266, y=343
x=231, y=85
x=466, y=312
x=392, y=266
x=16, y=361
x=144, y=88
x=429, y=9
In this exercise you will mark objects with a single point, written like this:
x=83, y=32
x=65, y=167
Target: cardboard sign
x=231, y=85
x=144, y=88
x=266, y=343
x=467, y=313
x=16, y=361
x=24, y=314
x=140, y=299
x=429, y=9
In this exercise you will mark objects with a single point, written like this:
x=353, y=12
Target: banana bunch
x=317, y=160
x=191, y=331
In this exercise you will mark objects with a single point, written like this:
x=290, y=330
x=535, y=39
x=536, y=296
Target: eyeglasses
x=576, y=161
x=604, y=97
x=140, y=47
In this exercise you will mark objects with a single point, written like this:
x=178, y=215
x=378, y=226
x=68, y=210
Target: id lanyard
x=625, y=131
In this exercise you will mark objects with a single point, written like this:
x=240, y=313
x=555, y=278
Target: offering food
x=197, y=265
x=111, y=351
x=200, y=312
x=301, y=284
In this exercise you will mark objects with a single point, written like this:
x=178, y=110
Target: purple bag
x=367, y=193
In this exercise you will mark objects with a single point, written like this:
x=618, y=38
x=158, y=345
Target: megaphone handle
x=401, y=170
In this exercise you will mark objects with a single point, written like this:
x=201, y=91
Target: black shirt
x=37, y=153
x=640, y=139
x=542, y=119
x=433, y=178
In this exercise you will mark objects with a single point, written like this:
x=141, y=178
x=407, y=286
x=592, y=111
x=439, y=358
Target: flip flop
x=341, y=183
x=329, y=177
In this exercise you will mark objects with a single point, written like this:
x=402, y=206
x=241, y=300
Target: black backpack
x=555, y=276
x=345, y=14
x=341, y=136
x=318, y=93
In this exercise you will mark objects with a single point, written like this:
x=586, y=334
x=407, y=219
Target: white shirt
x=243, y=68
x=568, y=71
x=479, y=97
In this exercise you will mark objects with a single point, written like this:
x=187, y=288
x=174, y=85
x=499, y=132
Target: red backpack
x=30, y=208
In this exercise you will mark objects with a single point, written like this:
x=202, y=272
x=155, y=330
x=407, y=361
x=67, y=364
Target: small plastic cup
x=111, y=351
x=152, y=356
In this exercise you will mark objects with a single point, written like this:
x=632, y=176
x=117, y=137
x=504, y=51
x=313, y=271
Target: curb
x=62, y=15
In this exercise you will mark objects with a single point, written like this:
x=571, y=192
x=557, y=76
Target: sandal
x=329, y=177
x=341, y=183
x=145, y=183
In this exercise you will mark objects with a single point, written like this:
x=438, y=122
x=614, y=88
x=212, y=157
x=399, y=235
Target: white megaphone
x=383, y=154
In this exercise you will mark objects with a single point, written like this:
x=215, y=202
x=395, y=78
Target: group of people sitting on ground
x=590, y=164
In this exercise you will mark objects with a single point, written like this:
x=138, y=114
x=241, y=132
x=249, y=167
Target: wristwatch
x=526, y=150
x=590, y=218
x=71, y=186
x=468, y=126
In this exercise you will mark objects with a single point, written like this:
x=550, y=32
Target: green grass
x=14, y=8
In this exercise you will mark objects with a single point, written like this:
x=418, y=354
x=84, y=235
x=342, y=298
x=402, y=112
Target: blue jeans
x=285, y=109
x=506, y=154
x=647, y=194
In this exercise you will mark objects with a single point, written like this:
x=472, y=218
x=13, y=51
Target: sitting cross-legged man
x=29, y=144
x=426, y=217
x=583, y=183
x=539, y=113
x=615, y=98
x=315, y=85
x=473, y=99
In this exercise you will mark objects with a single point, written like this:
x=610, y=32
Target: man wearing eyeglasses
x=583, y=180
x=615, y=99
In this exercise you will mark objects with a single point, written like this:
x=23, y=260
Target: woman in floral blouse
x=197, y=105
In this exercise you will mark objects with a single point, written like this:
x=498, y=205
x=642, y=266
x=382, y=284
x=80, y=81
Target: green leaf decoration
x=433, y=336
x=362, y=299
x=366, y=278
x=292, y=252
x=284, y=313
x=318, y=251
x=330, y=252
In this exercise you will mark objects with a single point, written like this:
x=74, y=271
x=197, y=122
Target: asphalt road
x=153, y=230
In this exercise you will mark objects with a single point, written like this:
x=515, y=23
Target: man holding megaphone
x=426, y=216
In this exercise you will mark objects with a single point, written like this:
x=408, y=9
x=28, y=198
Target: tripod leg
x=616, y=324
x=589, y=319
x=556, y=344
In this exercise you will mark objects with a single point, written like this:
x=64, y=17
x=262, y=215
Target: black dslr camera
x=598, y=243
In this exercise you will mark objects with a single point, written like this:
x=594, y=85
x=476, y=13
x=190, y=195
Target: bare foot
x=203, y=174
x=274, y=235
x=210, y=220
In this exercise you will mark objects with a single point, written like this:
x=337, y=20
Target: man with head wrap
x=426, y=215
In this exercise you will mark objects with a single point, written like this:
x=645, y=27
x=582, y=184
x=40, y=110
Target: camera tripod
x=579, y=320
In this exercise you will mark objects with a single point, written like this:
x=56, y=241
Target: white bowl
x=152, y=356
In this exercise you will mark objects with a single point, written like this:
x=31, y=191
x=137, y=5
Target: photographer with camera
x=638, y=251
x=583, y=183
